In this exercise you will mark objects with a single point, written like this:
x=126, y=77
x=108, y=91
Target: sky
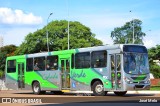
x=21, y=17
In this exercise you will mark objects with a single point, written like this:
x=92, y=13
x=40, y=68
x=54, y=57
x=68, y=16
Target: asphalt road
x=26, y=97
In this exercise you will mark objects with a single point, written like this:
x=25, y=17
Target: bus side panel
x=81, y=78
x=49, y=80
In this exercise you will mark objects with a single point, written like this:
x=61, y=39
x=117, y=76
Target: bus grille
x=138, y=78
x=139, y=86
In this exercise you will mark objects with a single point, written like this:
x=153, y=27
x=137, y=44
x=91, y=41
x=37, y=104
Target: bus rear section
x=15, y=68
x=39, y=72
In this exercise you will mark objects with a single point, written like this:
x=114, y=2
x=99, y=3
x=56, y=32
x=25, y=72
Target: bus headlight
x=147, y=82
x=128, y=81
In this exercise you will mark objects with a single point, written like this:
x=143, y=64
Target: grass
x=155, y=88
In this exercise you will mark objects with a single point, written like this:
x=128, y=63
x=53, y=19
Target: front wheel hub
x=36, y=88
x=99, y=88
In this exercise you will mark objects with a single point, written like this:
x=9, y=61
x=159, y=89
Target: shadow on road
x=73, y=94
x=102, y=104
x=70, y=99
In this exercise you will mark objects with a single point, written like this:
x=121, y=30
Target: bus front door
x=21, y=79
x=116, y=71
x=65, y=73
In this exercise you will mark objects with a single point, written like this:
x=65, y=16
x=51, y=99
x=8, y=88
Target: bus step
x=65, y=90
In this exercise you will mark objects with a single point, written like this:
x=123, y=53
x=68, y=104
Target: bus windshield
x=136, y=63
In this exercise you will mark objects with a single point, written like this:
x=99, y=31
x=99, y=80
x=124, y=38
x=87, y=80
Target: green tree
x=124, y=34
x=3, y=56
x=154, y=54
x=80, y=36
x=6, y=51
x=155, y=70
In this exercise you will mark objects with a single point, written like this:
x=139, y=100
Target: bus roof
x=95, y=48
x=107, y=47
x=15, y=57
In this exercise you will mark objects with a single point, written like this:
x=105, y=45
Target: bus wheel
x=36, y=88
x=98, y=89
x=120, y=93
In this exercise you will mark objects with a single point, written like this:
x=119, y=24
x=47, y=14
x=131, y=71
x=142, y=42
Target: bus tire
x=98, y=89
x=36, y=88
x=120, y=93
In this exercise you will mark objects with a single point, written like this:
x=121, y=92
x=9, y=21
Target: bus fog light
x=128, y=81
x=131, y=82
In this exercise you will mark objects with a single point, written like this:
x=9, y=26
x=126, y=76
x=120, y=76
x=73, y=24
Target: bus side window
x=99, y=59
x=52, y=63
x=112, y=62
x=29, y=64
x=82, y=60
x=72, y=61
x=39, y=64
x=11, y=66
x=118, y=62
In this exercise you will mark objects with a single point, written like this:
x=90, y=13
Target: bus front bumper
x=137, y=86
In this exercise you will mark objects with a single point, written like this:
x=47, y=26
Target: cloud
x=12, y=37
x=18, y=17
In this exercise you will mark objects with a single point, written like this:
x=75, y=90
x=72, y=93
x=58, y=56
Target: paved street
x=22, y=96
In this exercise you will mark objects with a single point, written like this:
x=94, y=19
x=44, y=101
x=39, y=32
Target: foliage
x=6, y=51
x=1, y=74
x=124, y=34
x=155, y=70
x=155, y=88
x=80, y=36
x=3, y=56
x=154, y=54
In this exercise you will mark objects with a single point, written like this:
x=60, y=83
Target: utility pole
x=47, y=31
x=1, y=42
x=133, y=29
x=67, y=3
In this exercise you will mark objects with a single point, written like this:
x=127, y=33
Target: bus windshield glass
x=136, y=62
